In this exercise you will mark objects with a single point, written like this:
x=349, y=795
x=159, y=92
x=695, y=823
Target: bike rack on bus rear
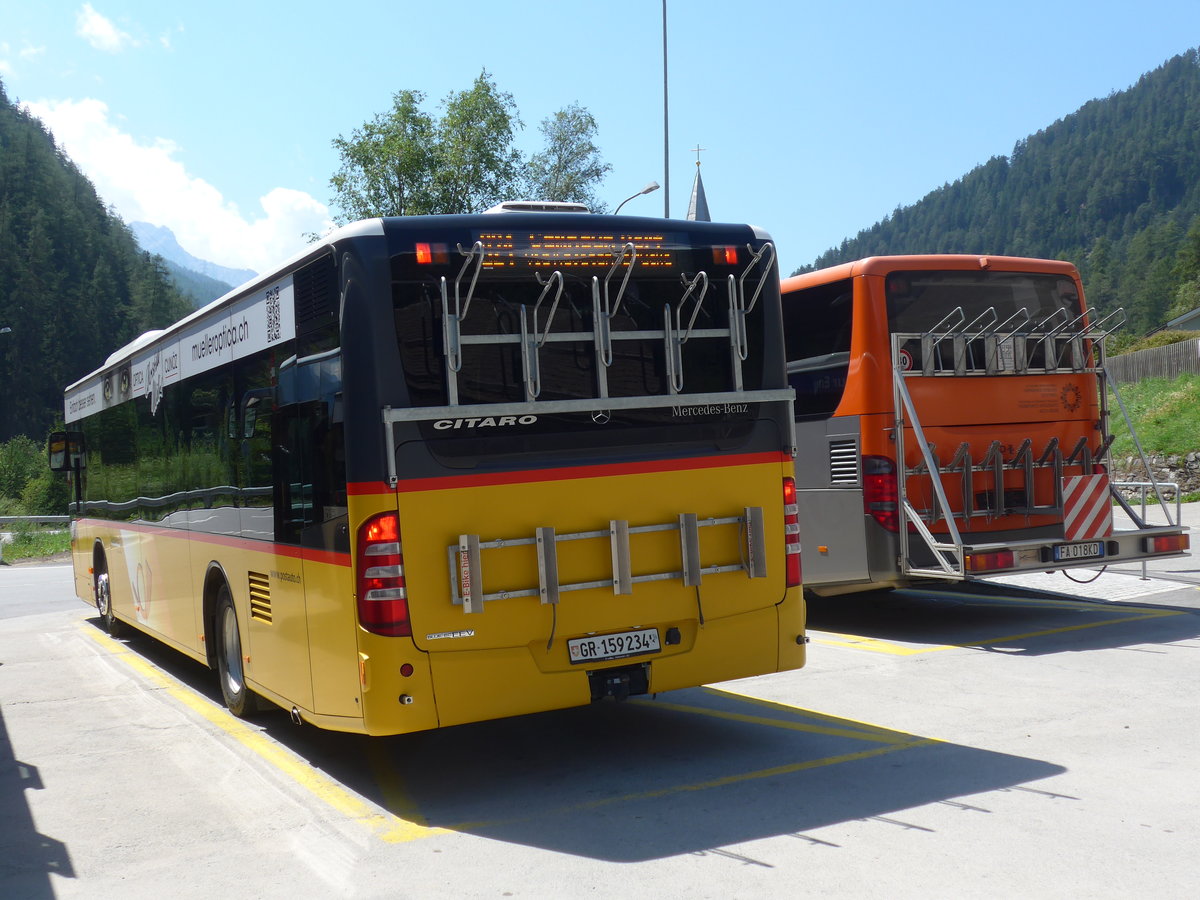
x=466, y=567
x=465, y=557
x=983, y=347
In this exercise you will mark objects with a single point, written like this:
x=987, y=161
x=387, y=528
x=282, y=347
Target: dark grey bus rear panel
x=406, y=363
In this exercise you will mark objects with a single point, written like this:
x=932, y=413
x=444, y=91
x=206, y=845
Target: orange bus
x=441, y=469
x=952, y=422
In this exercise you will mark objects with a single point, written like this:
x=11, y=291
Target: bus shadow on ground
x=686, y=772
x=995, y=618
x=27, y=857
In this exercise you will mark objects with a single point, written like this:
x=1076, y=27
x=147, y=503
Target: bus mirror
x=66, y=451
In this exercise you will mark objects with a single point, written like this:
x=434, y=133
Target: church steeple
x=698, y=204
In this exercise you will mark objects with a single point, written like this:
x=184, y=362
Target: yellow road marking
x=858, y=642
x=780, y=723
x=1031, y=602
x=723, y=781
x=390, y=827
x=410, y=825
x=808, y=713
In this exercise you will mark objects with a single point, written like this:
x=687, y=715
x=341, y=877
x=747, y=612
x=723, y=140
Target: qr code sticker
x=274, y=328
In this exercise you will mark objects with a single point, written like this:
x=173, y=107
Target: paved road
x=979, y=741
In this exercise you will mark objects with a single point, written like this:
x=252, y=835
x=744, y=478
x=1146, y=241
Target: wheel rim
x=232, y=643
x=102, y=599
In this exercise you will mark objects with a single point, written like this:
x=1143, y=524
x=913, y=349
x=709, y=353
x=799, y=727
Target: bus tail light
x=1167, y=543
x=725, y=256
x=881, y=494
x=791, y=532
x=431, y=253
x=990, y=562
x=382, y=593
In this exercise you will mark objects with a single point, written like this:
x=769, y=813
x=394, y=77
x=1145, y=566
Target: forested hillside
x=1113, y=187
x=199, y=289
x=73, y=284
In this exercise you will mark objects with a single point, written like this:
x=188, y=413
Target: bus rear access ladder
x=955, y=348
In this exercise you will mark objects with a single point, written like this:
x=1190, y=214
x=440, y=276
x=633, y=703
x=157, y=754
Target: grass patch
x=34, y=543
x=1165, y=412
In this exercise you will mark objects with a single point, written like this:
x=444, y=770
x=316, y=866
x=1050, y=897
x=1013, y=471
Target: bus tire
x=239, y=699
x=111, y=623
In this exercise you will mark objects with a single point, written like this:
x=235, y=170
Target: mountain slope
x=161, y=240
x=1113, y=187
x=73, y=284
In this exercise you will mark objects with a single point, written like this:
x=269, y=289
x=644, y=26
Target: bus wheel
x=240, y=700
x=111, y=623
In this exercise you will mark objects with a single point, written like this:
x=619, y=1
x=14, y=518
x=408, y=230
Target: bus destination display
x=521, y=250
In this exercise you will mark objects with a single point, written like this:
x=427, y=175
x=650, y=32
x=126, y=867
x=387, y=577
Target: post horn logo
x=1071, y=397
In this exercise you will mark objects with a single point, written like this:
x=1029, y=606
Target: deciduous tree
x=388, y=164
x=570, y=168
x=408, y=162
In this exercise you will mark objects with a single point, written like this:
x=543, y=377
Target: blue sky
x=216, y=119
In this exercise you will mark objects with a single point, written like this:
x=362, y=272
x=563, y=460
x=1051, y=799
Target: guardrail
x=35, y=520
x=1162, y=486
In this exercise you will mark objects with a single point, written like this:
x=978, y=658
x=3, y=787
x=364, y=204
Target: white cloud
x=101, y=33
x=27, y=51
x=145, y=182
x=164, y=39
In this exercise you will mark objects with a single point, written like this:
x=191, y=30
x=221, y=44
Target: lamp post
x=652, y=186
x=666, y=127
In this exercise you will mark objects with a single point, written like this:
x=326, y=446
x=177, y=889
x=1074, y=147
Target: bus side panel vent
x=843, y=462
x=316, y=295
x=260, y=597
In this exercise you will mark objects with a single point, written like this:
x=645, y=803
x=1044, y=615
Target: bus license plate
x=1087, y=550
x=613, y=646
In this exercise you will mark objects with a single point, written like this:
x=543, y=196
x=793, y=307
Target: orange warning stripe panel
x=1087, y=509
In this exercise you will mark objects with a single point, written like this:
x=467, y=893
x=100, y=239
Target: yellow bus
x=953, y=422
x=436, y=470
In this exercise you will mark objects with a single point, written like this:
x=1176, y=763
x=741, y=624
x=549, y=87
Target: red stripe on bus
x=449, y=482
x=308, y=554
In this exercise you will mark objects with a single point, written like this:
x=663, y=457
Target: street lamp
x=652, y=186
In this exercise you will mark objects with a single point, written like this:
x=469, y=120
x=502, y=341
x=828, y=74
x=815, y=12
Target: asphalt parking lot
x=1029, y=737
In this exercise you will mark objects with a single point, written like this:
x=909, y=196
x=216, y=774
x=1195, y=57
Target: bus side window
x=293, y=498
x=817, y=325
x=308, y=447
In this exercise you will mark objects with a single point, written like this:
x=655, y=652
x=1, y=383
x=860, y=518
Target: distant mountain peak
x=161, y=240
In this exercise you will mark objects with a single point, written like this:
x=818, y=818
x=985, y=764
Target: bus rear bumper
x=478, y=685
x=1132, y=546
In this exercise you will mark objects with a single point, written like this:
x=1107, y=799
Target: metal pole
x=666, y=131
